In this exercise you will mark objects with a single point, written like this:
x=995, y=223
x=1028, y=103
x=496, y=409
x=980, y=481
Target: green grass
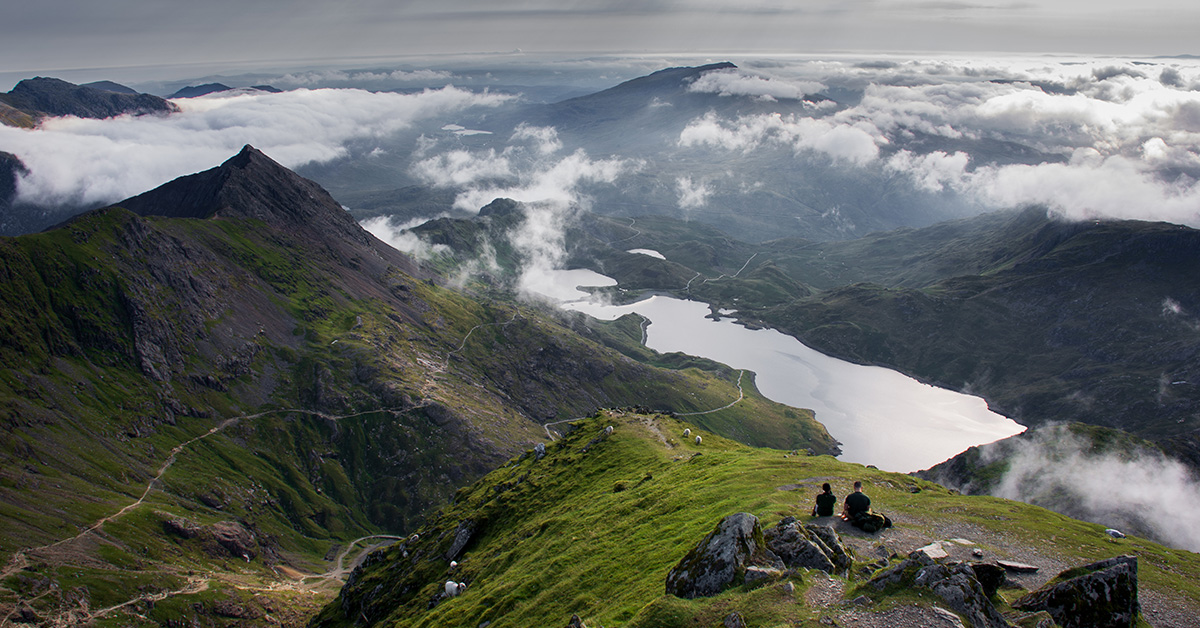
x=556, y=536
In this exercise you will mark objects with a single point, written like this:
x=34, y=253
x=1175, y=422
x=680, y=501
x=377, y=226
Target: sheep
x=453, y=564
x=455, y=589
x=698, y=439
x=687, y=432
x=608, y=430
x=414, y=538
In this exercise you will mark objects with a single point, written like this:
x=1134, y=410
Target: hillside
x=208, y=401
x=593, y=528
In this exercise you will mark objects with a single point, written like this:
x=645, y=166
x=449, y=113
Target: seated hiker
x=825, y=502
x=857, y=510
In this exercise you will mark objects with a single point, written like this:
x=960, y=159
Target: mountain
x=109, y=86
x=192, y=91
x=212, y=391
x=593, y=528
x=41, y=97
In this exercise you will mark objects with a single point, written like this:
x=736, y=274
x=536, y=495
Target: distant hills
x=42, y=96
x=194, y=91
x=1048, y=320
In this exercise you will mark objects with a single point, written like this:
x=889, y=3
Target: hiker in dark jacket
x=857, y=510
x=825, y=502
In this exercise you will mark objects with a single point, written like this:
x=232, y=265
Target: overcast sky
x=43, y=36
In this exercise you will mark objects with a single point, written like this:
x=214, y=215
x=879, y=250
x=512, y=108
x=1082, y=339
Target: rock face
x=721, y=559
x=1100, y=595
x=808, y=546
x=955, y=583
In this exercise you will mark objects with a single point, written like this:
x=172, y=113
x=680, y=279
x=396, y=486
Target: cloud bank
x=1142, y=492
x=1089, y=139
x=82, y=162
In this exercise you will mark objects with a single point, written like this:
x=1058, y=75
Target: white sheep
x=608, y=430
x=687, y=432
x=453, y=564
x=698, y=439
x=454, y=589
x=414, y=538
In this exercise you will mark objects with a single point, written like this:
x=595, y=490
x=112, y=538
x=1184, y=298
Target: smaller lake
x=880, y=416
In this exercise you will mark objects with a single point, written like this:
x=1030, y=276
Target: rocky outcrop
x=722, y=559
x=807, y=546
x=1100, y=595
x=955, y=583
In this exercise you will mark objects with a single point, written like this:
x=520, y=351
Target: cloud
x=460, y=167
x=82, y=162
x=545, y=138
x=556, y=183
x=343, y=78
x=735, y=83
x=856, y=143
x=401, y=239
x=692, y=195
x=1144, y=492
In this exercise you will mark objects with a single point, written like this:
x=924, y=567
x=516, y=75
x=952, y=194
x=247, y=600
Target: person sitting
x=857, y=510
x=825, y=502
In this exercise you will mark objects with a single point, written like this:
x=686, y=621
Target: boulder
x=807, y=546
x=1101, y=595
x=955, y=583
x=990, y=576
x=462, y=536
x=719, y=561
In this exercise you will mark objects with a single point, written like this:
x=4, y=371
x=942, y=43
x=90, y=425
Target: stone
x=1017, y=567
x=934, y=551
x=991, y=577
x=734, y=620
x=756, y=575
x=576, y=622
x=462, y=536
x=719, y=561
x=954, y=583
x=539, y=451
x=807, y=546
x=1101, y=595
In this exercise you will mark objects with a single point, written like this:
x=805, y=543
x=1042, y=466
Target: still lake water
x=880, y=416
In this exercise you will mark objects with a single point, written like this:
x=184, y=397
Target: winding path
x=741, y=396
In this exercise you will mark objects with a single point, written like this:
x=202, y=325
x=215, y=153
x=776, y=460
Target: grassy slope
x=405, y=400
x=595, y=533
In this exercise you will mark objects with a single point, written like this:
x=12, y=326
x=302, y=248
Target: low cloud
x=692, y=195
x=737, y=83
x=83, y=162
x=401, y=239
x=343, y=78
x=856, y=143
x=1140, y=492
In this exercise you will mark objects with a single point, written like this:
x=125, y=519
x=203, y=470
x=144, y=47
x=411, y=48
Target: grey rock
x=755, y=574
x=720, y=560
x=576, y=622
x=539, y=451
x=734, y=620
x=808, y=546
x=991, y=577
x=1102, y=594
x=462, y=536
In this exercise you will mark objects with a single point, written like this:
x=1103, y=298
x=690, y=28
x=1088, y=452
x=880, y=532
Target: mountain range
x=226, y=375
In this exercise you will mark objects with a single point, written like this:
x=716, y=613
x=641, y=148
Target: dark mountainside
x=192, y=91
x=109, y=86
x=203, y=412
x=10, y=168
x=40, y=97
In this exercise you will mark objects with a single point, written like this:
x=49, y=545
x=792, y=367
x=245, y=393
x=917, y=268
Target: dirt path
x=741, y=396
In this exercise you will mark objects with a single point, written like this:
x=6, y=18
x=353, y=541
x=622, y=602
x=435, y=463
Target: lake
x=880, y=416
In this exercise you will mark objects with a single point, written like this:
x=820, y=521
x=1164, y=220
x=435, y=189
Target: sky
x=49, y=35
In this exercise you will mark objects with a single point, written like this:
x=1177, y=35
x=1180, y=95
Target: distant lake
x=880, y=416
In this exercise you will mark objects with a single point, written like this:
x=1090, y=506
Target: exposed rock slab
x=1101, y=595
x=720, y=560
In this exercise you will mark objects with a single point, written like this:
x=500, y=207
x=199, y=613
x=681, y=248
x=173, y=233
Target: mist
x=77, y=162
x=1136, y=490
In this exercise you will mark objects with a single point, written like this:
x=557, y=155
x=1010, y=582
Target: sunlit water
x=880, y=416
